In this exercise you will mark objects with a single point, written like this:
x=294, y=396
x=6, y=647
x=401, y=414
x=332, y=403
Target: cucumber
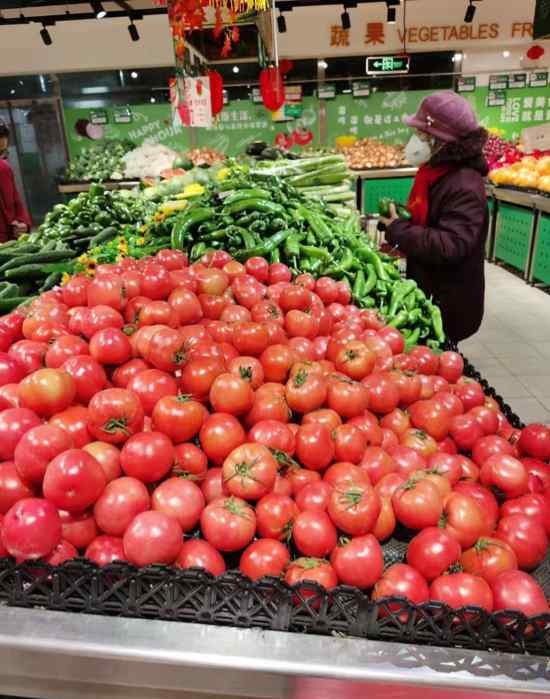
x=30, y=271
x=50, y=256
x=106, y=234
x=8, y=304
x=8, y=290
x=50, y=281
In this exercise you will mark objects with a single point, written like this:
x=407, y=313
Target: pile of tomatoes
x=175, y=414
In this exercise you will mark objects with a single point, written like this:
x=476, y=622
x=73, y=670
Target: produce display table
x=540, y=266
x=514, y=228
x=77, y=187
x=47, y=654
x=372, y=185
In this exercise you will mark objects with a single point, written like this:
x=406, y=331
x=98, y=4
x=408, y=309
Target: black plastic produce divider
x=159, y=592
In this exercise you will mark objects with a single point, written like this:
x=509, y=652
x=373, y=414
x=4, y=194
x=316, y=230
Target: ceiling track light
x=133, y=32
x=98, y=9
x=391, y=16
x=45, y=36
x=470, y=12
x=281, y=24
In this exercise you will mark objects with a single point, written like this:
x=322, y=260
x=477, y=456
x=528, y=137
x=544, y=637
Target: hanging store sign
x=466, y=84
x=496, y=98
x=498, y=82
x=538, y=79
x=256, y=95
x=387, y=65
x=196, y=108
x=517, y=80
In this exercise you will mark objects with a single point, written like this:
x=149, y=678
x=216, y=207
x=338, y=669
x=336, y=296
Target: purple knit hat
x=444, y=115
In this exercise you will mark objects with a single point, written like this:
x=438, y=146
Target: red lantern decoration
x=272, y=88
x=535, y=52
x=216, y=91
x=285, y=66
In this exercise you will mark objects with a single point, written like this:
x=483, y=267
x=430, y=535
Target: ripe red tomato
x=350, y=443
x=258, y=267
x=485, y=500
x=355, y=360
x=12, y=487
x=275, y=514
x=37, y=448
x=109, y=346
x=447, y=465
x=248, y=368
x=462, y=589
x=470, y=393
x=273, y=434
x=64, y=551
x=463, y=519
x=219, y=435
x=74, y=421
x=314, y=496
x=100, y=317
x=490, y=446
x=276, y=361
x=108, y=290
x=114, y=415
x=152, y=537
x=383, y=393
x=47, y=391
x=228, y=524
x=63, y=348
x=108, y=457
x=178, y=416
x=181, y=499
x=249, y=471
x=432, y=551
x=354, y=508
x=393, y=337
x=451, y=366
x=147, y=456
x=466, y=431
x=514, y=589
x=535, y=441
x=324, y=416
x=231, y=394
x=430, y=416
x=358, y=562
x=527, y=538
x=306, y=391
x=88, y=375
x=314, y=446
x=401, y=580
x=28, y=355
x=264, y=557
x=532, y=505
x=74, y=480
x=197, y=553
x=348, y=398
x=78, y=528
x=417, y=504
x=377, y=463
x=486, y=418
x=428, y=362
x=488, y=558
x=103, y=550
x=198, y=376
x=31, y=529
x=314, y=534
x=507, y=474
x=408, y=460
x=311, y=570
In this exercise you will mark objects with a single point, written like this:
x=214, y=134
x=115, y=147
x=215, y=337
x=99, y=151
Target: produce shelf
x=515, y=226
x=77, y=187
x=374, y=184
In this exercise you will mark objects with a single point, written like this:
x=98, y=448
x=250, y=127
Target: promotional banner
x=195, y=107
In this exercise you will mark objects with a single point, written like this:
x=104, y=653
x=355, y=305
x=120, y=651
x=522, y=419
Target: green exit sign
x=387, y=65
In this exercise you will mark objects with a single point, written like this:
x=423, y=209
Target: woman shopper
x=14, y=217
x=445, y=239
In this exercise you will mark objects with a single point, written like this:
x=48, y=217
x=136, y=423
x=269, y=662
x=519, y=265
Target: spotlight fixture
x=322, y=64
x=236, y=69
x=133, y=74
x=506, y=54
x=470, y=12
x=152, y=100
x=98, y=9
x=133, y=32
x=281, y=24
x=391, y=15
x=45, y=35
x=345, y=19
x=457, y=57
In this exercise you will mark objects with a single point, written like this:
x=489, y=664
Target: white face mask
x=417, y=151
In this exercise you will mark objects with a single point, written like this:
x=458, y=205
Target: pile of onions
x=369, y=153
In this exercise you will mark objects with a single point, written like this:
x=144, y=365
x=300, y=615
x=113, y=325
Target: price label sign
x=466, y=84
x=496, y=98
x=498, y=82
x=327, y=92
x=99, y=117
x=517, y=80
x=256, y=95
x=122, y=115
x=361, y=89
x=387, y=65
x=538, y=79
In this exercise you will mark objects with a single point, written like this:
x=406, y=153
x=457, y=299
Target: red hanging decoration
x=272, y=88
x=285, y=66
x=535, y=52
x=216, y=91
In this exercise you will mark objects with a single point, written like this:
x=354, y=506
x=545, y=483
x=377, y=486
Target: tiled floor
x=512, y=348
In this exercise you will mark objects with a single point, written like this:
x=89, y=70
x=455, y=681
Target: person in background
x=444, y=241
x=14, y=217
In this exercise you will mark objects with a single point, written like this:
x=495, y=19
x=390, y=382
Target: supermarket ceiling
x=19, y=12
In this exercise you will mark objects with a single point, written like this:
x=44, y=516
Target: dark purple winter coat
x=446, y=257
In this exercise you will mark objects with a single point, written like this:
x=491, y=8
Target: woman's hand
x=387, y=221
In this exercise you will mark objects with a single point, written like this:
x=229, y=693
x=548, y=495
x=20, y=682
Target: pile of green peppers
x=270, y=218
